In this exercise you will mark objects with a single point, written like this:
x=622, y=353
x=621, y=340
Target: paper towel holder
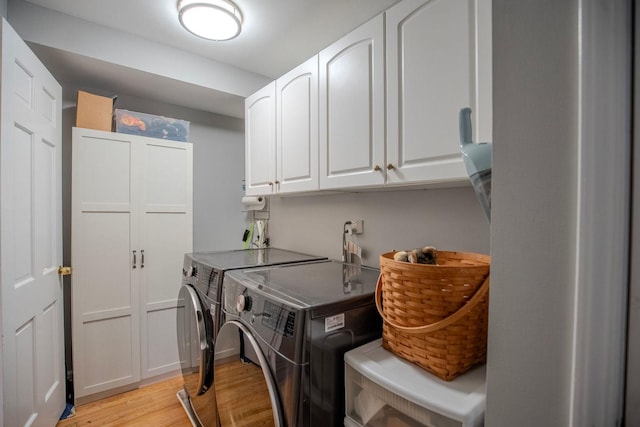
x=256, y=206
x=253, y=203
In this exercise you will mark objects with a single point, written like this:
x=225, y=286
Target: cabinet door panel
x=165, y=176
x=167, y=238
x=103, y=270
x=352, y=108
x=349, y=101
x=105, y=290
x=161, y=354
x=109, y=342
x=297, y=128
x=166, y=235
x=431, y=67
x=260, y=138
x=105, y=171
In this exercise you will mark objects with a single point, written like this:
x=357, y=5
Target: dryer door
x=246, y=394
x=192, y=341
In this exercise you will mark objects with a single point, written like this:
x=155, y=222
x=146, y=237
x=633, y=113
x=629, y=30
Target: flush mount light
x=210, y=19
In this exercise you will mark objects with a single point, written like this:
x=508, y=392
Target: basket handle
x=452, y=318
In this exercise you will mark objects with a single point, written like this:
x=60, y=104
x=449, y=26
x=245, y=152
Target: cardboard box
x=134, y=123
x=94, y=111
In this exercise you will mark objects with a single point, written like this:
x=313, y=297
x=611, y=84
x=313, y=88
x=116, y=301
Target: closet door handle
x=142, y=258
x=134, y=260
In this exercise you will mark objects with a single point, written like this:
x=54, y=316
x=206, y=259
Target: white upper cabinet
x=331, y=125
x=352, y=108
x=281, y=141
x=297, y=129
x=260, y=141
x=438, y=61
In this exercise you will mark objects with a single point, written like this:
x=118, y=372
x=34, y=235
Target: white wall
x=218, y=220
x=450, y=219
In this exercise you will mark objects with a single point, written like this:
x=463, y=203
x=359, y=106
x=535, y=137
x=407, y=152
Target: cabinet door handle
x=142, y=258
x=134, y=260
x=377, y=168
x=390, y=166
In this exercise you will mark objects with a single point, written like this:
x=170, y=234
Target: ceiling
x=277, y=35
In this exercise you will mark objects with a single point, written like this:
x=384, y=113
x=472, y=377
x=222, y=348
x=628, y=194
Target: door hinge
x=64, y=271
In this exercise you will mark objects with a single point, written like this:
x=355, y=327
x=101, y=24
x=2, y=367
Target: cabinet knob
x=270, y=183
x=390, y=166
x=377, y=168
x=277, y=182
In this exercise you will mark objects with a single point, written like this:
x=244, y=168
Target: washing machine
x=279, y=353
x=198, y=318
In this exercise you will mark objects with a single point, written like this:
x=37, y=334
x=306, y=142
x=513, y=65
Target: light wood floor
x=154, y=405
x=243, y=398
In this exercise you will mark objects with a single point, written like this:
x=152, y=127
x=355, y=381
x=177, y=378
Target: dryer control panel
x=273, y=322
x=201, y=276
x=278, y=319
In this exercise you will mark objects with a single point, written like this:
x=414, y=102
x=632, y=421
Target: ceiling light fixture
x=210, y=19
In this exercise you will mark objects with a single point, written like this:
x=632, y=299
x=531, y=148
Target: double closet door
x=131, y=226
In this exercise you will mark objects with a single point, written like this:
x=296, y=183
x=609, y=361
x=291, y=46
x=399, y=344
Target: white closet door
x=166, y=227
x=33, y=386
x=105, y=290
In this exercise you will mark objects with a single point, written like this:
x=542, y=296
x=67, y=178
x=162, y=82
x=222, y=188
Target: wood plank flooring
x=153, y=405
x=243, y=398
x=156, y=405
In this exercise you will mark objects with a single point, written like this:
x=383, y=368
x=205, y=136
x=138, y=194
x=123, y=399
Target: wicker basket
x=436, y=315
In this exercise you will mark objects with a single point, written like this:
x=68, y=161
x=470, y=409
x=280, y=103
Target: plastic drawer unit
x=385, y=390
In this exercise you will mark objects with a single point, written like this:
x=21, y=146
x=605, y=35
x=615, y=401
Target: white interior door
x=31, y=238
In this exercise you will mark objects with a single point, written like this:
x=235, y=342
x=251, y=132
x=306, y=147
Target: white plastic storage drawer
x=383, y=390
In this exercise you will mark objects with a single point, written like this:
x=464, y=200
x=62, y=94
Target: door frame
x=632, y=386
x=602, y=231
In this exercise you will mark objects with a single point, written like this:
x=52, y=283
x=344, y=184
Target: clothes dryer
x=198, y=318
x=279, y=354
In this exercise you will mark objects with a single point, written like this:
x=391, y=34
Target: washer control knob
x=243, y=303
x=192, y=271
